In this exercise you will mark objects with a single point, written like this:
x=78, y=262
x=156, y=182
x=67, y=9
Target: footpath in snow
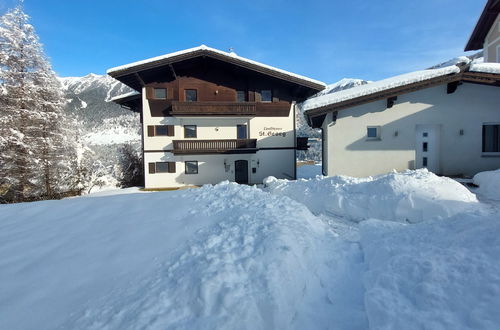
x=402, y=251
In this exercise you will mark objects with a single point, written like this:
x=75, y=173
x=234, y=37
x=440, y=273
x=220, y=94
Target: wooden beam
x=390, y=101
x=452, y=87
x=136, y=74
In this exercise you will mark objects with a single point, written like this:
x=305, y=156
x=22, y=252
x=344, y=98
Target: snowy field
x=402, y=251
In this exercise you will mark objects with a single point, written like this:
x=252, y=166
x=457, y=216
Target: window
x=162, y=167
x=191, y=167
x=160, y=93
x=373, y=132
x=424, y=146
x=424, y=162
x=190, y=131
x=191, y=95
x=241, y=132
x=266, y=96
x=491, y=138
x=161, y=130
x=425, y=134
x=241, y=96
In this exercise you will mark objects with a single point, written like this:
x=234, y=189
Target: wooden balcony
x=198, y=147
x=213, y=108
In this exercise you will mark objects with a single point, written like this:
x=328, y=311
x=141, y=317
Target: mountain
x=105, y=126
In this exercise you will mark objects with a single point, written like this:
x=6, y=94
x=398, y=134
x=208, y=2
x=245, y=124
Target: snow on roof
x=479, y=66
x=231, y=55
x=123, y=96
x=377, y=86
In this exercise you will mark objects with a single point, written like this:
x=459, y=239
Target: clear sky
x=323, y=39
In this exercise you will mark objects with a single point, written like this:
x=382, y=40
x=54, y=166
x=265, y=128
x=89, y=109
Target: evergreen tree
x=34, y=151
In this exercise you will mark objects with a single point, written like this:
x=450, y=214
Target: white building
x=210, y=116
x=446, y=118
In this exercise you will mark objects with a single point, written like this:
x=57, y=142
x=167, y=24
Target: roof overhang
x=483, y=25
x=131, y=101
x=316, y=116
x=130, y=74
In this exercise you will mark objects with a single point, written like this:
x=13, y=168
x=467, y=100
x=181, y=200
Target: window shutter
x=170, y=130
x=171, y=167
x=151, y=131
x=251, y=96
x=152, y=168
x=149, y=93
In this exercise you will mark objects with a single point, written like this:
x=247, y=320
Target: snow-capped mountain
x=103, y=122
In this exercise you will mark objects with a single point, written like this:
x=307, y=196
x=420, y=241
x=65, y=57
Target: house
x=209, y=116
x=446, y=118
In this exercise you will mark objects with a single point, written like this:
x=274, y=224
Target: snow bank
x=433, y=275
x=225, y=257
x=489, y=184
x=377, y=86
x=410, y=196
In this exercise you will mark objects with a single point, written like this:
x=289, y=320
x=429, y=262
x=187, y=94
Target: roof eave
x=117, y=73
x=483, y=25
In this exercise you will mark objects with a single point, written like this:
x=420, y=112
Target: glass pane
x=161, y=130
x=242, y=132
x=162, y=167
x=266, y=96
x=424, y=162
x=241, y=96
x=191, y=167
x=425, y=134
x=371, y=132
x=190, y=131
x=160, y=93
x=191, y=95
x=424, y=147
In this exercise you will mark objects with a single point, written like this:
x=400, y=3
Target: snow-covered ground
x=239, y=257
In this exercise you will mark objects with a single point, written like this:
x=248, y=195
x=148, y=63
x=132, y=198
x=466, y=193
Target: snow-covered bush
x=410, y=196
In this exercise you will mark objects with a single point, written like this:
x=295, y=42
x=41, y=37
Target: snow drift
x=489, y=184
x=228, y=256
x=410, y=196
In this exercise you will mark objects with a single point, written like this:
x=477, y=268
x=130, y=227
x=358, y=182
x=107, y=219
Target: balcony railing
x=213, y=108
x=215, y=146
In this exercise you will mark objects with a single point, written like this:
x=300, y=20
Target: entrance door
x=427, y=147
x=241, y=171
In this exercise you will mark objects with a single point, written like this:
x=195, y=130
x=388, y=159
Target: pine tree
x=34, y=150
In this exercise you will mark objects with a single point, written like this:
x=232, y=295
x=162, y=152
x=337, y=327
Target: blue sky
x=325, y=39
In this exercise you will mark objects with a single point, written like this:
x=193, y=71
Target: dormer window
x=160, y=93
x=191, y=95
x=266, y=95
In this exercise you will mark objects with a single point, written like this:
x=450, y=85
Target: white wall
x=211, y=169
x=350, y=153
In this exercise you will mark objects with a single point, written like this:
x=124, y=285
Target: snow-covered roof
x=479, y=66
x=208, y=51
x=123, y=96
x=377, y=86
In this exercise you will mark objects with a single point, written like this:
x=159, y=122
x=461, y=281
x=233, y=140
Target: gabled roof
x=318, y=107
x=483, y=25
x=168, y=59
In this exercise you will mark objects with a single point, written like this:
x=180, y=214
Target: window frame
x=483, y=147
x=270, y=94
x=186, y=94
x=186, y=167
x=238, y=131
x=160, y=98
x=195, y=132
x=377, y=133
